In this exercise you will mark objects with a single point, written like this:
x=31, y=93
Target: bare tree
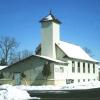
x=21, y=55
x=7, y=47
x=26, y=53
x=88, y=51
x=15, y=57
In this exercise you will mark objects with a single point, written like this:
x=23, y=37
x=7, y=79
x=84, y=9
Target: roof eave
x=40, y=57
x=94, y=61
x=56, y=21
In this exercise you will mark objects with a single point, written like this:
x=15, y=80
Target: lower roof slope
x=3, y=67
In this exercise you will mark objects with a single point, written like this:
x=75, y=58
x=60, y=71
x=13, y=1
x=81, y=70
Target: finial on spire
x=50, y=12
x=50, y=17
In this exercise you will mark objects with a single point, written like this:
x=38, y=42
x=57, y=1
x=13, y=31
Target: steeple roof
x=50, y=17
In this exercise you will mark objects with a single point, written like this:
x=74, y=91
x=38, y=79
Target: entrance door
x=17, y=78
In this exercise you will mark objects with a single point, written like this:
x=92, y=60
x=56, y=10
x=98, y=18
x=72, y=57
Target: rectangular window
x=93, y=68
x=88, y=68
x=56, y=69
x=73, y=66
x=83, y=80
x=78, y=80
x=99, y=75
x=83, y=67
x=69, y=81
x=78, y=67
x=61, y=69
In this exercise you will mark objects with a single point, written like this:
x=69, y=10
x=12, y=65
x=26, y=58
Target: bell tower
x=50, y=31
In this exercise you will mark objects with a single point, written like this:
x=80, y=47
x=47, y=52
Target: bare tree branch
x=7, y=46
x=88, y=51
x=21, y=55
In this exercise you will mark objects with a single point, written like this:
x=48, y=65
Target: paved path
x=93, y=94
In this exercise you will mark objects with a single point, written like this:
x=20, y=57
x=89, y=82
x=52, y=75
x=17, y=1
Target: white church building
x=69, y=62
x=81, y=67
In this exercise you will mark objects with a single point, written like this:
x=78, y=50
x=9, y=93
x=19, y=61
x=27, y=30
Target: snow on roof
x=43, y=58
x=50, y=17
x=74, y=51
x=2, y=67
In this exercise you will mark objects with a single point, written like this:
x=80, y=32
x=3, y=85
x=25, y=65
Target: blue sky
x=80, y=21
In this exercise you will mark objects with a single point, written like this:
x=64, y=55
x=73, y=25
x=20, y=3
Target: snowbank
x=8, y=92
x=84, y=85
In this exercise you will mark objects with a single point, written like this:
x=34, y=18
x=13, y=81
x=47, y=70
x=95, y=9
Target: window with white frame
x=78, y=67
x=88, y=68
x=83, y=80
x=61, y=69
x=69, y=81
x=78, y=80
x=73, y=66
x=83, y=67
x=93, y=68
x=56, y=69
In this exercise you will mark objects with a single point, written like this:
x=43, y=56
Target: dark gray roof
x=50, y=17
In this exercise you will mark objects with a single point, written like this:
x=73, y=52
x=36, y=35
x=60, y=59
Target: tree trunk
x=46, y=79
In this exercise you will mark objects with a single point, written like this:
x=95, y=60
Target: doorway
x=17, y=78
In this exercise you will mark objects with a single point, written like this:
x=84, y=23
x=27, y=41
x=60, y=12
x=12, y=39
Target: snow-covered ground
x=84, y=85
x=8, y=92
